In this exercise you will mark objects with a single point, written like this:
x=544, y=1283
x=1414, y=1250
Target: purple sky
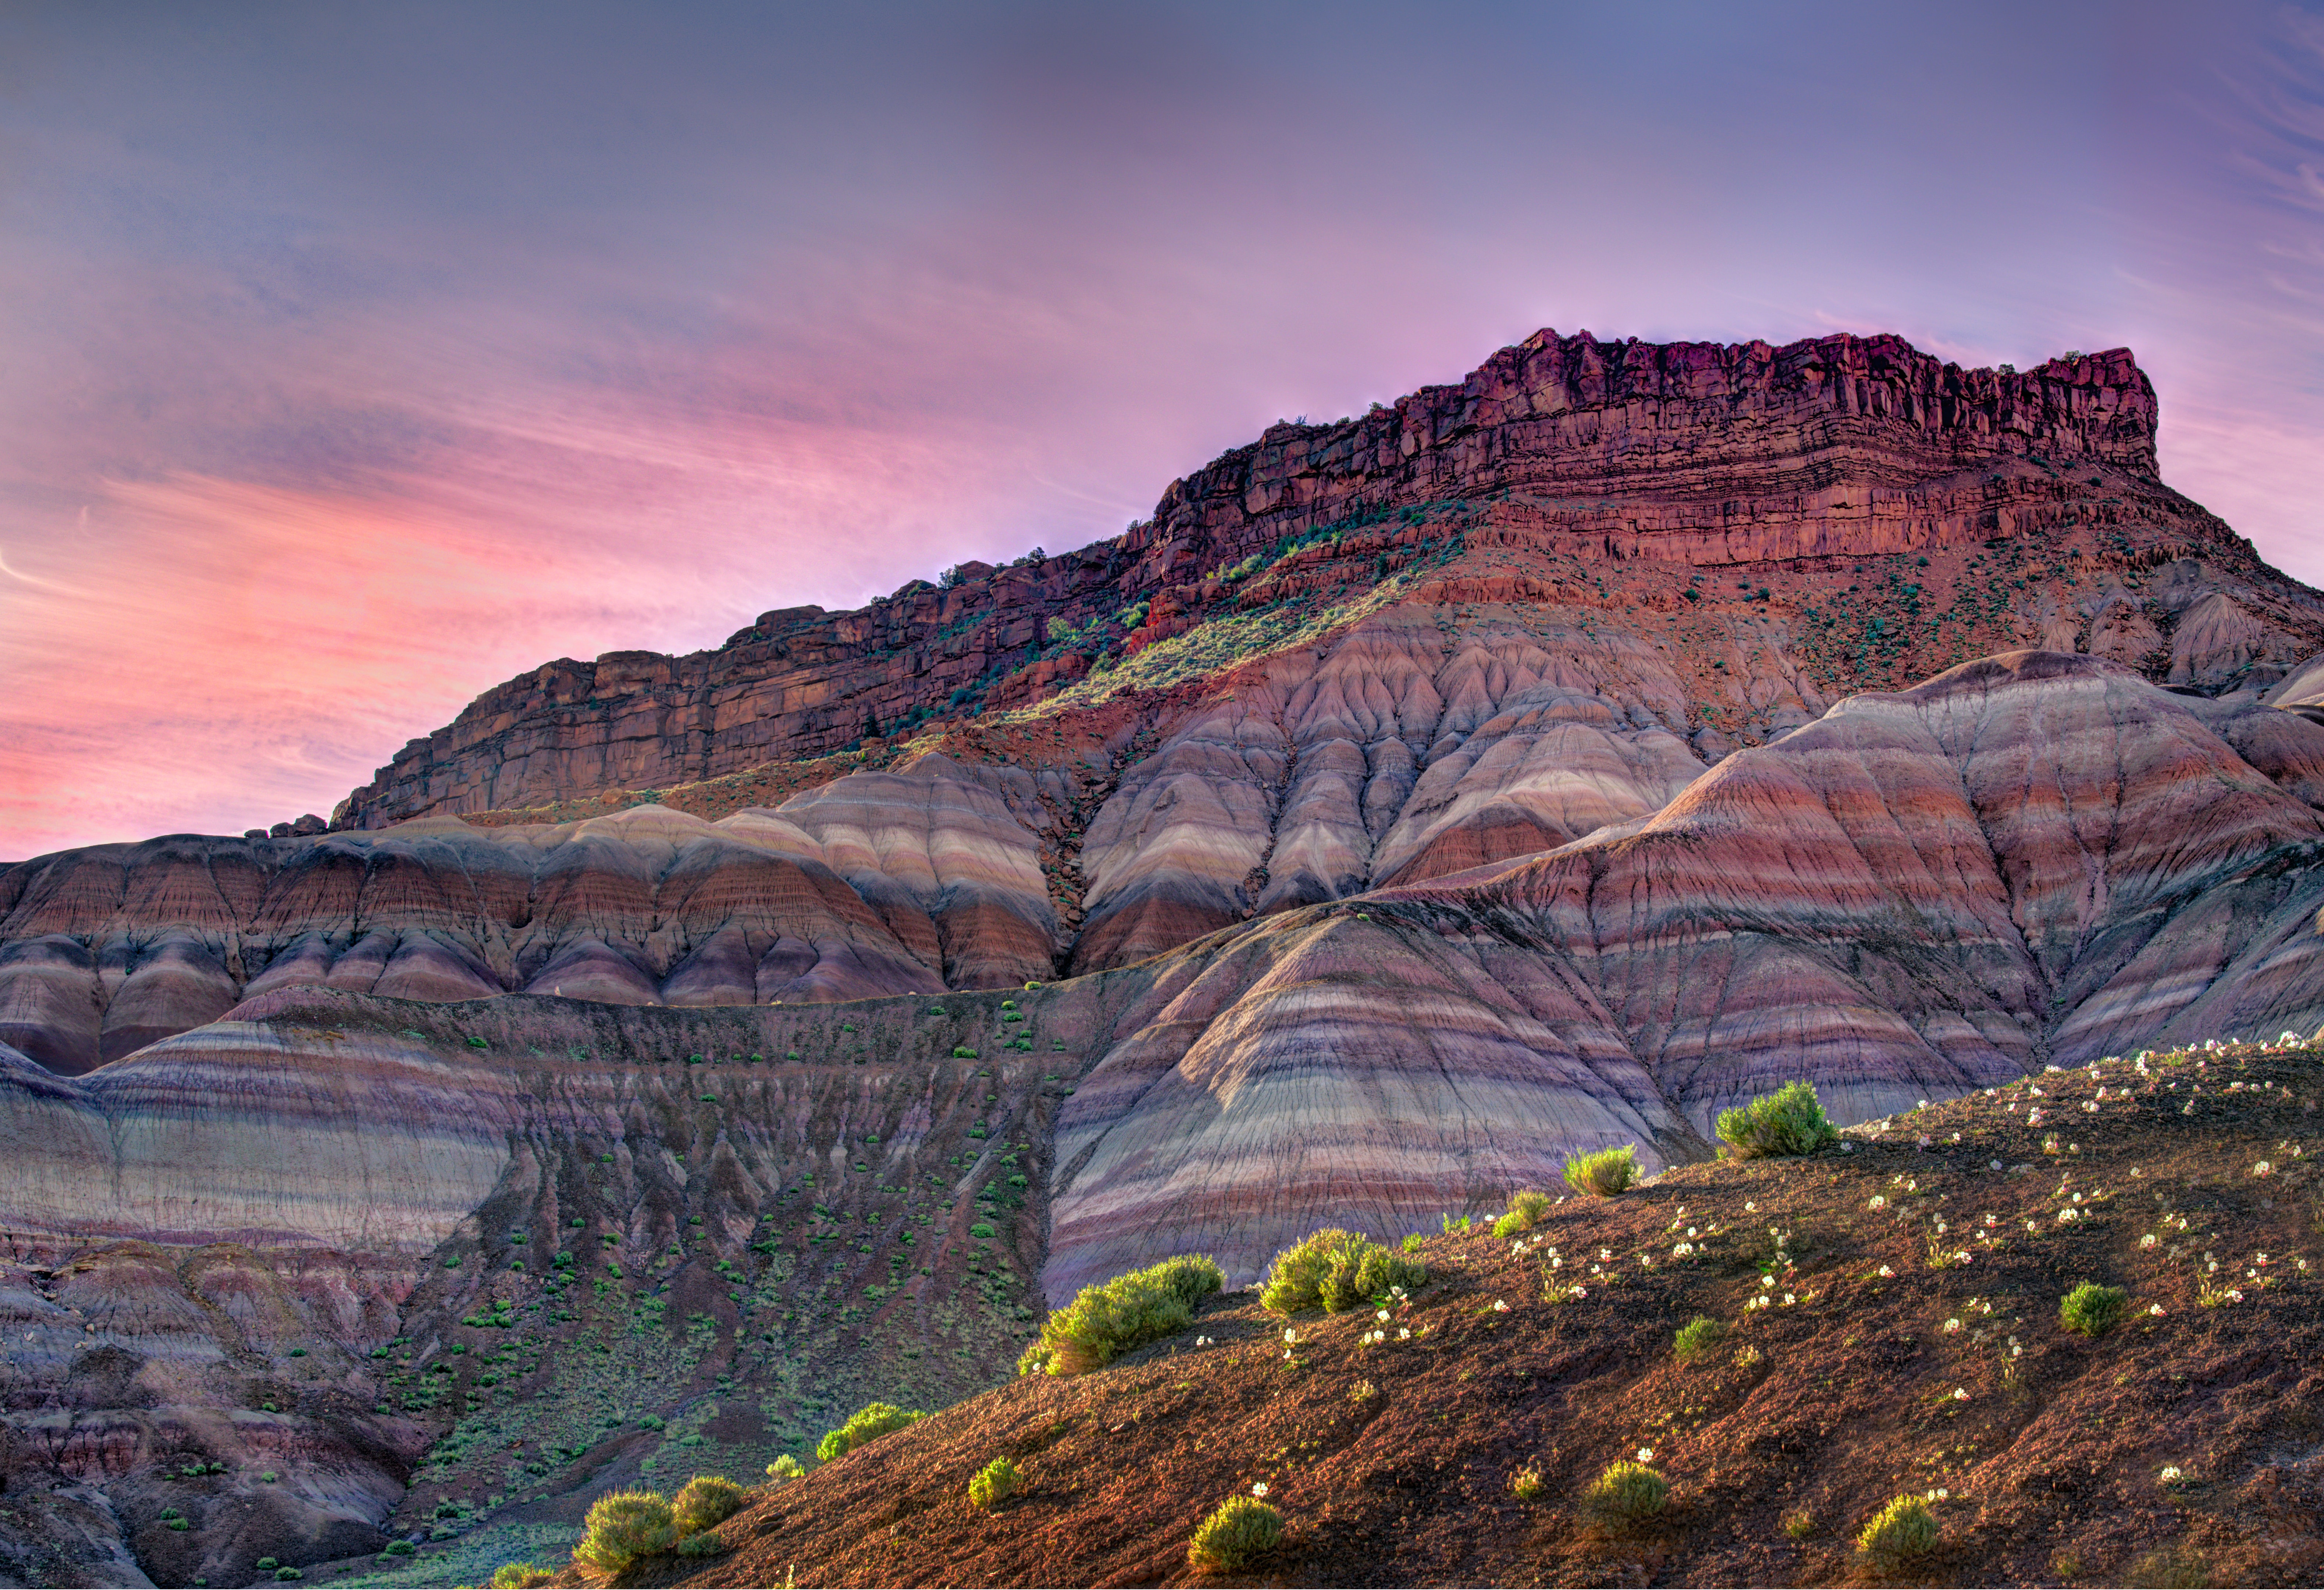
x=355, y=358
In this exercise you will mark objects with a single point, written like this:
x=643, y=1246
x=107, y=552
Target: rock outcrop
x=1561, y=471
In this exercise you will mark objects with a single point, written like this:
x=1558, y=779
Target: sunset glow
x=356, y=362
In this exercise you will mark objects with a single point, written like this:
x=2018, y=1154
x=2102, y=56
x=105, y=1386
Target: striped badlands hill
x=2033, y=860
x=1477, y=627
x=884, y=883
x=485, y=1224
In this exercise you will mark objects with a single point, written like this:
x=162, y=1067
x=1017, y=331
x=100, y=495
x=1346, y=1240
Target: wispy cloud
x=356, y=360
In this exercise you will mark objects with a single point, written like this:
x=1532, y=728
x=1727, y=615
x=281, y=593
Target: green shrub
x=705, y=1502
x=1799, y=1525
x=963, y=1052
x=1526, y=1210
x=706, y=1544
x=995, y=1483
x=1898, y=1532
x=1127, y=1312
x=287, y=1573
x=1627, y=1493
x=1414, y=1242
x=521, y=1575
x=1525, y=1484
x=1604, y=1174
x=786, y=1468
x=2093, y=1309
x=399, y=1549
x=1787, y=1121
x=1336, y=1271
x=1241, y=1528
x=867, y=1423
x=267, y=1565
x=624, y=1526
x=1698, y=1336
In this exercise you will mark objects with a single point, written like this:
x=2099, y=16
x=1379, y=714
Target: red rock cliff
x=1693, y=453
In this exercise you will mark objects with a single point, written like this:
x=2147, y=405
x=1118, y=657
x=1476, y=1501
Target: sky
x=355, y=359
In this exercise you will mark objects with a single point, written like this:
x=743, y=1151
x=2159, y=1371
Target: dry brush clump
x=1606, y=1174
x=1239, y=1529
x=867, y=1423
x=1335, y=1271
x=1788, y=1121
x=1109, y=1319
x=1627, y=1494
x=993, y=1483
x=1898, y=1532
x=624, y=1526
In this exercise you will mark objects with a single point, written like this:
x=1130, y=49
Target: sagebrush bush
x=1898, y=1532
x=1799, y=1525
x=995, y=1483
x=521, y=1575
x=1336, y=1271
x=1606, y=1173
x=708, y=1543
x=624, y=1526
x=1787, y=1121
x=1107, y=1320
x=2093, y=1309
x=705, y=1502
x=867, y=1423
x=1526, y=1210
x=1525, y=1484
x=1627, y=1493
x=1241, y=1528
x=1698, y=1336
x=786, y=1468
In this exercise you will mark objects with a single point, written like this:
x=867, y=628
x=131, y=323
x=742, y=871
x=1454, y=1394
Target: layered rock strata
x=881, y=883
x=2031, y=860
x=1696, y=457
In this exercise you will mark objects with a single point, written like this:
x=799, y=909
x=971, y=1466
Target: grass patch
x=1127, y=1312
x=1240, y=1530
x=1336, y=1271
x=867, y=1423
x=1697, y=1336
x=993, y=1483
x=705, y=1502
x=1606, y=1173
x=624, y=1526
x=1526, y=1210
x=1898, y=1532
x=2093, y=1309
x=1627, y=1493
x=1788, y=1121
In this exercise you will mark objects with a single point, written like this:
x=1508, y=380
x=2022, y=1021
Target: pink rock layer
x=2034, y=859
x=888, y=883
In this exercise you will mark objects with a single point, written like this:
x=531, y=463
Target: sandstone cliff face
x=1571, y=456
